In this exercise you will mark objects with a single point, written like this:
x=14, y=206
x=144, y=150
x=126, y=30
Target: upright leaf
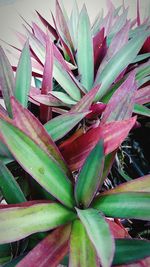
x=85, y=57
x=99, y=233
x=6, y=80
x=74, y=23
x=89, y=178
x=120, y=106
x=131, y=205
x=23, y=76
x=82, y=252
x=18, y=222
x=48, y=26
x=38, y=164
x=50, y=251
x=9, y=187
x=118, y=63
x=47, y=82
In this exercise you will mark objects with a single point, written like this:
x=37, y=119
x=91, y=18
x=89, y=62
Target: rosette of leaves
x=80, y=218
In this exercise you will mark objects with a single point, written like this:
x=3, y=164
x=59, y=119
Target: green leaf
x=141, y=184
x=64, y=98
x=130, y=250
x=131, y=205
x=141, y=110
x=89, y=179
x=74, y=23
x=38, y=164
x=6, y=80
x=99, y=233
x=20, y=221
x=9, y=187
x=85, y=56
x=141, y=57
x=82, y=252
x=23, y=76
x=118, y=63
x=5, y=253
x=57, y=130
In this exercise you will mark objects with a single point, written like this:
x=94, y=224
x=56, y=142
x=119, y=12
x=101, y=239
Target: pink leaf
x=113, y=134
x=142, y=96
x=50, y=251
x=40, y=35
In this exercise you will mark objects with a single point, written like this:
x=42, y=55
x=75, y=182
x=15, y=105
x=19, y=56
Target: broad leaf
x=141, y=184
x=23, y=76
x=58, y=130
x=9, y=187
x=113, y=134
x=85, y=56
x=118, y=63
x=31, y=126
x=82, y=252
x=50, y=251
x=99, y=233
x=131, y=250
x=18, y=222
x=89, y=179
x=132, y=205
x=44, y=169
x=6, y=80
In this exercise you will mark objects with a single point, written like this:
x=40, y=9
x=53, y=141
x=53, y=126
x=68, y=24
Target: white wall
x=10, y=9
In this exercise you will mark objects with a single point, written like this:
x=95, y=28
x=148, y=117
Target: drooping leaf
x=50, y=251
x=141, y=184
x=23, y=76
x=131, y=250
x=47, y=82
x=132, y=205
x=18, y=222
x=89, y=179
x=57, y=130
x=120, y=106
x=85, y=51
x=9, y=187
x=6, y=80
x=82, y=252
x=44, y=169
x=141, y=110
x=28, y=123
x=99, y=234
x=113, y=134
x=118, y=63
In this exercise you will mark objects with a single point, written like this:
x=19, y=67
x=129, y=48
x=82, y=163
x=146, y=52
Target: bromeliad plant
x=78, y=206
x=54, y=169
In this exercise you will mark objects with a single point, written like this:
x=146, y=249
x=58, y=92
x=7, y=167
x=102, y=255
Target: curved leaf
x=23, y=76
x=141, y=110
x=18, y=222
x=38, y=164
x=132, y=205
x=99, y=233
x=89, y=178
x=82, y=252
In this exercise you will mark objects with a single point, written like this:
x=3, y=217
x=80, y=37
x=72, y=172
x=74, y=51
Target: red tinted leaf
x=120, y=106
x=47, y=25
x=116, y=230
x=31, y=126
x=113, y=134
x=138, y=13
x=50, y=251
x=96, y=110
x=47, y=83
x=99, y=46
x=40, y=35
x=142, y=96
